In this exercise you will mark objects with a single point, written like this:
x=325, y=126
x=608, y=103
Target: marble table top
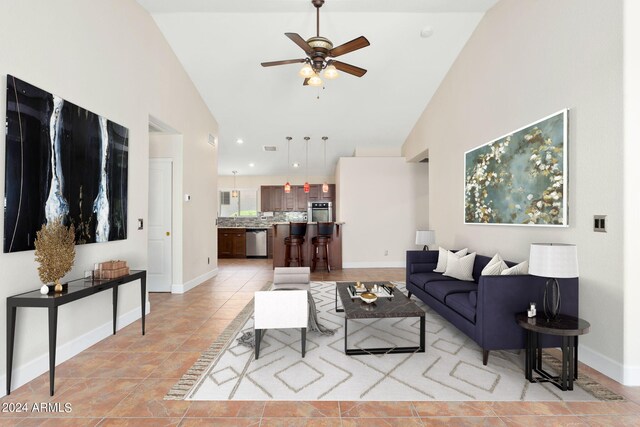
x=398, y=306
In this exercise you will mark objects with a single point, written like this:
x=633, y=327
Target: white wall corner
x=181, y=288
x=604, y=364
x=30, y=370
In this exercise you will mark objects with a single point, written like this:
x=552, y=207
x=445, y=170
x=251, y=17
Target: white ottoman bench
x=280, y=310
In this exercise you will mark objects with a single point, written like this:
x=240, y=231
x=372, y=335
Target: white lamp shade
x=554, y=260
x=425, y=237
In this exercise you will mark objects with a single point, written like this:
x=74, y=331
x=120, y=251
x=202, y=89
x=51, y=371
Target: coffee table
x=398, y=306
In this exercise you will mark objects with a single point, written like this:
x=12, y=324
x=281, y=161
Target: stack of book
x=111, y=269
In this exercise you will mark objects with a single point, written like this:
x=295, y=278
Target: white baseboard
x=631, y=376
x=36, y=367
x=374, y=264
x=601, y=363
x=184, y=287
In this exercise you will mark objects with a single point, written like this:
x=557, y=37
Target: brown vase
x=58, y=287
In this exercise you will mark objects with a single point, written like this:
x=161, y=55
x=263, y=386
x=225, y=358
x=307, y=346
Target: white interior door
x=160, y=189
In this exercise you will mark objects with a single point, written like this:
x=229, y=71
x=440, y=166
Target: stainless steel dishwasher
x=256, y=245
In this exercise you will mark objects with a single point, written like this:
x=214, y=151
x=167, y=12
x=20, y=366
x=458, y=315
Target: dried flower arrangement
x=55, y=251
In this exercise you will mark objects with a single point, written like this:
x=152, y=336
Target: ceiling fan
x=320, y=52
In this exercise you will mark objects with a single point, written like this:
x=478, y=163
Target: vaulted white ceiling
x=222, y=43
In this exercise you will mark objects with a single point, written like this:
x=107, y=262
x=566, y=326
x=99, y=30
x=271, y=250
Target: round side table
x=569, y=328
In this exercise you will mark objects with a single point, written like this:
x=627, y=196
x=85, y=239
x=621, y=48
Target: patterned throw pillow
x=495, y=266
x=460, y=268
x=516, y=270
x=442, y=258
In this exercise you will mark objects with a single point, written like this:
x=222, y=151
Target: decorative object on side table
x=554, y=261
x=426, y=238
x=55, y=252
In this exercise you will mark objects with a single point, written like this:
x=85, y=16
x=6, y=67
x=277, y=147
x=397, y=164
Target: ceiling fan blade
x=348, y=68
x=305, y=82
x=287, y=61
x=300, y=42
x=354, y=44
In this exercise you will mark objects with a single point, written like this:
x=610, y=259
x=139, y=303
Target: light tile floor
x=122, y=380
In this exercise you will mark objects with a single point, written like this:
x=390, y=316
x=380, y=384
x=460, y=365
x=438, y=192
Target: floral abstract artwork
x=520, y=178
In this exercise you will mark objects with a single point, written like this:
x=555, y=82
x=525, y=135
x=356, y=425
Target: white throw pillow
x=495, y=266
x=442, y=258
x=516, y=270
x=460, y=268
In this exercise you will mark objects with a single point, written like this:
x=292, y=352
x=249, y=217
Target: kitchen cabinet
x=271, y=198
x=300, y=200
x=330, y=196
x=274, y=199
x=315, y=192
x=231, y=243
x=265, y=199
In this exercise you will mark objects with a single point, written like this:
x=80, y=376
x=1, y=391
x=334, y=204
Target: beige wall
x=631, y=180
x=110, y=58
x=378, y=201
x=526, y=60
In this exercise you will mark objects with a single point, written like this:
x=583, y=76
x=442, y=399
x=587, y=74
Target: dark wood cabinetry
x=274, y=199
x=231, y=243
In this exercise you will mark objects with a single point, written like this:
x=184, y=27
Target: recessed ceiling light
x=296, y=165
x=239, y=141
x=251, y=165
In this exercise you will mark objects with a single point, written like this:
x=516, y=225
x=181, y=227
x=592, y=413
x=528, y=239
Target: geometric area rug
x=450, y=369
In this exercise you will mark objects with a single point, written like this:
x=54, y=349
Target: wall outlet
x=187, y=197
x=599, y=223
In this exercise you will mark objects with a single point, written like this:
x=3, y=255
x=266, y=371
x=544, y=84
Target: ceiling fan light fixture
x=331, y=72
x=315, y=80
x=306, y=71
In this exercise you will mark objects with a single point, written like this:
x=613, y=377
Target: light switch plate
x=599, y=223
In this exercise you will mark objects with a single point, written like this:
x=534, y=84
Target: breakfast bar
x=281, y=231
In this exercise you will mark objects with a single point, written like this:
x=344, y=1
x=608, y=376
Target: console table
x=76, y=289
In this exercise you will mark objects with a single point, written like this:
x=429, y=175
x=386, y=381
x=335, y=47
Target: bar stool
x=322, y=241
x=297, y=232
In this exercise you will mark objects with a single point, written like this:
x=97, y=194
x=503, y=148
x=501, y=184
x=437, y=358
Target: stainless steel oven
x=320, y=212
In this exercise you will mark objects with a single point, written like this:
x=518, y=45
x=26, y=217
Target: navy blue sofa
x=485, y=309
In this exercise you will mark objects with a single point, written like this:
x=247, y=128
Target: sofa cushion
x=442, y=258
x=421, y=279
x=473, y=298
x=522, y=268
x=460, y=303
x=440, y=290
x=460, y=267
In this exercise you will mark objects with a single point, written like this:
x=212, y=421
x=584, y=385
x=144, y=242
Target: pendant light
x=325, y=186
x=287, y=185
x=234, y=193
x=306, y=183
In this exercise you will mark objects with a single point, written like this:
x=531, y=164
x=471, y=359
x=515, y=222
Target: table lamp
x=554, y=261
x=425, y=237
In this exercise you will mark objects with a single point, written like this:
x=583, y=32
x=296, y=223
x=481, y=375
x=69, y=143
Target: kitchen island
x=281, y=230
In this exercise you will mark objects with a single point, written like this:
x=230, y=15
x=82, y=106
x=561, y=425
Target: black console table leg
x=575, y=358
x=143, y=296
x=11, y=331
x=115, y=308
x=53, y=329
x=303, y=333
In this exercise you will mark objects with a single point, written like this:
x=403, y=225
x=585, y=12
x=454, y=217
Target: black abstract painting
x=61, y=161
